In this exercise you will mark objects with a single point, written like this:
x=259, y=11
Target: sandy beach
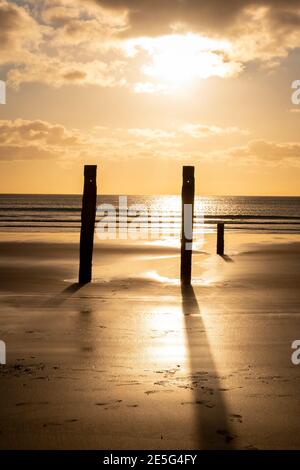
x=133, y=361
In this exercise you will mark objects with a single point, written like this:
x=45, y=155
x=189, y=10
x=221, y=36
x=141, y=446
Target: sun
x=175, y=60
x=178, y=59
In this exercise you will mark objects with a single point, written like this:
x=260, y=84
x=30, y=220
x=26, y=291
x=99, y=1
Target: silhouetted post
x=187, y=215
x=88, y=215
x=220, y=239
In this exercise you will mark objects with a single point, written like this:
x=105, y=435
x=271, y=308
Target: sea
x=62, y=213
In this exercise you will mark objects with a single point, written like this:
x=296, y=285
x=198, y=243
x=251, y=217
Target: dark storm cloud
x=155, y=16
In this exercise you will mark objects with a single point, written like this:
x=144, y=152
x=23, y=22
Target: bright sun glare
x=175, y=60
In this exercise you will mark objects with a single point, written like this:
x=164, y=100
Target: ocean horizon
x=61, y=213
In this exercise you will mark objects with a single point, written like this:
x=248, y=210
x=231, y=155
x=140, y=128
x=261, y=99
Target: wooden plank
x=220, y=238
x=187, y=215
x=88, y=215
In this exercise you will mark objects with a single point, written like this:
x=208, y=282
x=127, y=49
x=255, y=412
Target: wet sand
x=133, y=361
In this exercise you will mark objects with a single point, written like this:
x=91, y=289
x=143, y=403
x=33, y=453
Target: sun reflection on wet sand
x=174, y=242
x=155, y=276
x=167, y=242
x=167, y=326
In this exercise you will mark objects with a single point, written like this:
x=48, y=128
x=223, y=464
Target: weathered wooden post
x=220, y=238
x=187, y=216
x=88, y=215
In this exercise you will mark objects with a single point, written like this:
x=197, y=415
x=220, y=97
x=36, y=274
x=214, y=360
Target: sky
x=141, y=88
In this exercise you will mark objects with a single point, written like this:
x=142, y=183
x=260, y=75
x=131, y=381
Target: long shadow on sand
x=210, y=410
x=62, y=296
x=227, y=258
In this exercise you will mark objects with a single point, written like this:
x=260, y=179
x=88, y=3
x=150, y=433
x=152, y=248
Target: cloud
x=39, y=140
x=268, y=152
x=158, y=17
x=151, y=133
x=73, y=23
x=143, y=44
x=34, y=140
x=58, y=44
x=56, y=72
x=59, y=15
x=188, y=131
x=18, y=31
x=148, y=46
x=257, y=30
x=199, y=131
x=20, y=131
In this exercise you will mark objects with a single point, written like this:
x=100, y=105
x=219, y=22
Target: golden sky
x=141, y=88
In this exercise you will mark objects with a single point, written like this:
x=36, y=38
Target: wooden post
x=88, y=215
x=220, y=238
x=187, y=216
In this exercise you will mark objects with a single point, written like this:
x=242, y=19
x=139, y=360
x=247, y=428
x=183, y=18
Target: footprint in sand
x=205, y=403
x=18, y=370
x=236, y=418
x=226, y=434
x=110, y=404
x=167, y=373
x=29, y=403
x=41, y=377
